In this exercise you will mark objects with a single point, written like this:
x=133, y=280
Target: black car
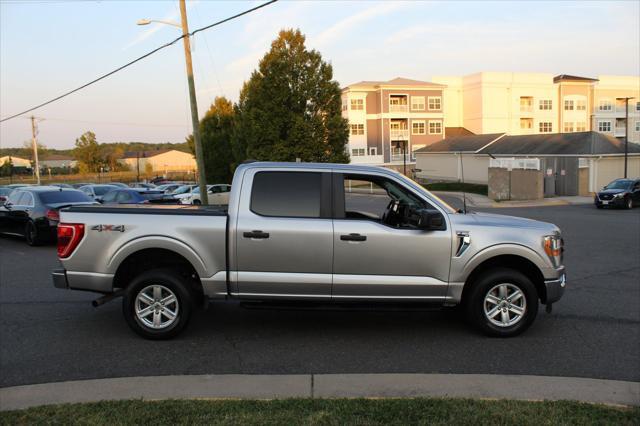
x=33, y=212
x=619, y=193
x=137, y=196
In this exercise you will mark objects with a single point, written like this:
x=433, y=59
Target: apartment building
x=389, y=120
x=535, y=103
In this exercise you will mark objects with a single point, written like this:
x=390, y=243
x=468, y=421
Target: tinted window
x=286, y=194
x=55, y=197
x=5, y=191
x=124, y=197
x=101, y=190
x=14, y=197
x=25, y=199
x=110, y=196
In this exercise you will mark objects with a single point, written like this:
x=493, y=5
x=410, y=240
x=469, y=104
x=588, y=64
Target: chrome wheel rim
x=505, y=305
x=157, y=307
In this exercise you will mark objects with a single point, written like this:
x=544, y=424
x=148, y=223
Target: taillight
x=69, y=236
x=53, y=215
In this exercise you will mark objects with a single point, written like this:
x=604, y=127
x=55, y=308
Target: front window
x=435, y=127
x=418, y=128
x=604, y=126
x=357, y=104
x=545, y=127
x=619, y=184
x=545, y=104
x=605, y=105
x=286, y=194
x=357, y=129
x=435, y=102
x=417, y=103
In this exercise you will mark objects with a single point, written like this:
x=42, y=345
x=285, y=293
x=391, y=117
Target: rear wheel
x=31, y=234
x=197, y=202
x=157, y=304
x=502, y=302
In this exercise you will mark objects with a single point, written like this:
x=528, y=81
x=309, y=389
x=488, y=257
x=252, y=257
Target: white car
x=217, y=195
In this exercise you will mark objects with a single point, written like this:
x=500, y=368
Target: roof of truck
x=321, y=166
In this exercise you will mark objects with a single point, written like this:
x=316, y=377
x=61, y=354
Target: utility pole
x=34, y=142
x=202, y=180
x=138, y=164
x=626, y=134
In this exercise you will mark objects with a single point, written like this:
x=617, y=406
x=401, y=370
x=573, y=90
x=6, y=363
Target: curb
x=249, y=386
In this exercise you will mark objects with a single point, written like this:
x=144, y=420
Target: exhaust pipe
x=106, y=298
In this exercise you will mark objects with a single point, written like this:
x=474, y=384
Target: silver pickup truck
x=325, y=233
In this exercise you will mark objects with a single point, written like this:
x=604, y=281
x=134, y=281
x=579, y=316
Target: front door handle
x=353, y=237
x=256, y=234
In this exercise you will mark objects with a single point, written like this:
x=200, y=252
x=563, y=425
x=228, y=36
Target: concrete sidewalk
x=482, y=201
x=324, y=386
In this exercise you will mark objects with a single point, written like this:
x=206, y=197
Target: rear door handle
x=256, y=234
x=353, y=237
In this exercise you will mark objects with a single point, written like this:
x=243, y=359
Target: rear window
x=286, y=194
x=101, y=190
x=55, y=197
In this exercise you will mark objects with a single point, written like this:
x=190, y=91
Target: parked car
x=4, y=193
x=217, y=195
x=183, y=191
x=168, y=188
x=137, y=196
x=623, y=193
x=324, y=233
x=97, y=191
x=142, y=185
x=62, y=185
x=120, y=184
x=80, y=184
x=33, y=212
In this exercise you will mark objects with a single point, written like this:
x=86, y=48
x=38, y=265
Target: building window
x=358, y=152
x=545, y=127
x=604, y=126
x=526, y=123
x=435, y=127
x=435, y=102
x=357, y=104
x=545, y=104
x=605, y=105
x=581, y=105
x=417, y=103
x=581, y=126
x=357, y=129
x=345, y=104
x=637, y=126
x=418, y=128
x=568, y=127
x=373, y=151
x=568, y=105
x=526, y=103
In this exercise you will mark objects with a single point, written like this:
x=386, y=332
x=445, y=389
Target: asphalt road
x=49, y=335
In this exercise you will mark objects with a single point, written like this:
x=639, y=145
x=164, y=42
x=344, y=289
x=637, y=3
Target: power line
x=114, y=123
x=128, y=64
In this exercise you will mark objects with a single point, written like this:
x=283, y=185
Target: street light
x=202, y=180
x=626, y=132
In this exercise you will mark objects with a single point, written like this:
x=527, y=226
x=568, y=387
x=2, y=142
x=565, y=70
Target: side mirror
x=431, y=220
x=8, y=205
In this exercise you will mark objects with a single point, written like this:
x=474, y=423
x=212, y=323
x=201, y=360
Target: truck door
x=378, y=255
x=284, y=235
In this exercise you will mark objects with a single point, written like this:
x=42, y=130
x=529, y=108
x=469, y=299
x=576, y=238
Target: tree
x=216, y=132
x=88, y=153
x=291, y=108
x=28, y=149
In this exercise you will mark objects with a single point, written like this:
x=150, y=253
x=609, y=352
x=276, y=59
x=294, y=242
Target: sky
x=50, y=46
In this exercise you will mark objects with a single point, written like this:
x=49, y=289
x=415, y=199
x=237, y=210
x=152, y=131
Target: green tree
x=216, y=132
x=290, y=107
x=88, y=153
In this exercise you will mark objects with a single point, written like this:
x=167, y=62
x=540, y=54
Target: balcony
x=367, y=159
x=398, y=108
x=399, y=134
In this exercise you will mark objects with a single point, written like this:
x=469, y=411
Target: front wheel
x=157, y=304
x=628, y=203
x=502, y=302
x=197, y=202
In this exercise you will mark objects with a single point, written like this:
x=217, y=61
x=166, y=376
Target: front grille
x=606, y=197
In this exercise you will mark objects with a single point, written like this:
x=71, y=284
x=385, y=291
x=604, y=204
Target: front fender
x=158, y=242
x=500, y=250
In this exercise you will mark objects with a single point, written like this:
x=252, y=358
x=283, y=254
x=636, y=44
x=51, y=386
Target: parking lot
x=50, y=335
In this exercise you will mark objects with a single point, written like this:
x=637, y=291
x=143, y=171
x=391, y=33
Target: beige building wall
x=610, y=89
x=16, y=161
x=447, y=167
x=168, y=161
x=606, y=169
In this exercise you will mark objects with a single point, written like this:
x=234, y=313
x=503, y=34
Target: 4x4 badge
x=100, y=228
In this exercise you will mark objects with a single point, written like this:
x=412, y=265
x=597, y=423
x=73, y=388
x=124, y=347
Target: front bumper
x=59, y=277
x=615, y=201
x=555, y=288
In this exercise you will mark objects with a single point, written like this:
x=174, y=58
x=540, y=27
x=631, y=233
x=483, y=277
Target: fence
x=515, y=163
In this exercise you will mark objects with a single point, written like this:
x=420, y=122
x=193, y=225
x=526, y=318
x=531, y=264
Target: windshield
x=182, y=189
x=101, y=190
x=619, y=184
x=55, y=197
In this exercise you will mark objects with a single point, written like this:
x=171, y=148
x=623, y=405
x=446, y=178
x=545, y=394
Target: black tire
x=628, y=203
x=197, y=202
x=598, y=206
x=31, y=234
x=170, y=280
x=475, y=302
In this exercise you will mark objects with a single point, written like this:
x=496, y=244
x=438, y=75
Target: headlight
x=621, y=194
x=553, y=246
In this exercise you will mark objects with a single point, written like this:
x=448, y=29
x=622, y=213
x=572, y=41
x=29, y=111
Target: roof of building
x=471, y=143
x=398, y=81
x=457, y=131
x=578, y=143
x=567, y=77
x=147, y=154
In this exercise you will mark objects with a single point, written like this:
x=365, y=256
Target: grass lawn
x=326, y=412
x=457, y=187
